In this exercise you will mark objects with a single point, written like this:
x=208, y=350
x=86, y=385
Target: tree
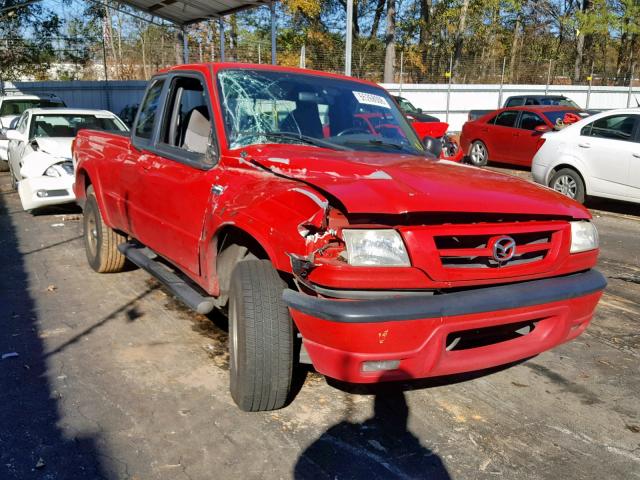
x=390, y=43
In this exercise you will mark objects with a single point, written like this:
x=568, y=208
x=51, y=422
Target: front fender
x=36, y=163
x=572, y=161
x=273, y=213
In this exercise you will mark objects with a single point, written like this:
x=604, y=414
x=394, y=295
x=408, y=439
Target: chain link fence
x=118, y=57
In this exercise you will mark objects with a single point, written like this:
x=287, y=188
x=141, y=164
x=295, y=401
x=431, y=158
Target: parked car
x=509, y=135
x=40, y=163
x=412, y=113
x=11, y=107
x=533, y=100
x=597, y=156
x=358, y=253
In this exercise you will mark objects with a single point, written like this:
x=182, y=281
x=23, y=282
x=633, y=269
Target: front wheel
x=100, y=241
x=478, y=154
x=569, y=183
x=260, y=338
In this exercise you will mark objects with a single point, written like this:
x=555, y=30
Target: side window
x=507, y=119
x=515, y=102
x=530, y=120
x=187, y=121
x=617, y=127
x=532, y=101
x=148, y=110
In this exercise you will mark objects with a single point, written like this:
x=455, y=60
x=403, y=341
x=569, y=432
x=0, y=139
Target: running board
x=147, y=259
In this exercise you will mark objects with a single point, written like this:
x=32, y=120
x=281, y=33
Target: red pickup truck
x=254, y=189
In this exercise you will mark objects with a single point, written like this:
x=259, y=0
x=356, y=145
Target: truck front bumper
x=431, y=335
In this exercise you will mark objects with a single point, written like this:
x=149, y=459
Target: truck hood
x=386, y=183
x=56, y=146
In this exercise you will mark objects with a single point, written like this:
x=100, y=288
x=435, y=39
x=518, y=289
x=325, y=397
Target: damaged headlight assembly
x=59, y=169
x=380, y=247
x=584, y=236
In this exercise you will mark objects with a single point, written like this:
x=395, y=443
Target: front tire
x=568, y=182
x=478, y=154
x=260, y=338
x=100, y=241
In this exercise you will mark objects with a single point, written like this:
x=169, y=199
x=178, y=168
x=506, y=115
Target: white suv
x=11, y=107
x=598, y=156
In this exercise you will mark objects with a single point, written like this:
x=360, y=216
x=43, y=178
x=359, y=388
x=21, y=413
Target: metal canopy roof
x=186, y=12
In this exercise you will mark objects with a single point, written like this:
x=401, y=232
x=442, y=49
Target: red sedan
x=510, y=135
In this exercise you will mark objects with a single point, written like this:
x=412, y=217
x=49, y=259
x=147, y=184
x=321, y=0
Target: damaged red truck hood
x=386, y=183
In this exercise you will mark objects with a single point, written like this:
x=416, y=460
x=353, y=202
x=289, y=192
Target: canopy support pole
x=347, y=53
x=185, y=46
x=273, y=33
x=221, y=26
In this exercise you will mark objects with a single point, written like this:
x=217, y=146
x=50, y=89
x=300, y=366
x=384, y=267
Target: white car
x=11, y=107
x=598, y=156
x=39, y=153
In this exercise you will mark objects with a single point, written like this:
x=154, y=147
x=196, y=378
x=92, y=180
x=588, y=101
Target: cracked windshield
x=278, y=107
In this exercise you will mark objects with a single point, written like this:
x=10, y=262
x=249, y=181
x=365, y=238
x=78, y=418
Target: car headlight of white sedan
x=377, y=248
x=60, y=169
x=584, y=236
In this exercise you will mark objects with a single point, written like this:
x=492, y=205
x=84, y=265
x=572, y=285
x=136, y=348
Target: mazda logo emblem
x=504, y=248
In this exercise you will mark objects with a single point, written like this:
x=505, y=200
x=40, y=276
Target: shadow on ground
x=380, y=447
x=31, y=443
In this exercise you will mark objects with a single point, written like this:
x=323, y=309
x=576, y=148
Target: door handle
x=584, y=145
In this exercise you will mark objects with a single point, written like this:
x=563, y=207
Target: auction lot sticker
x=371, y=99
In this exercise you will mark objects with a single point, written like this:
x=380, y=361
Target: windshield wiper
x=376, y=142
x=295, y=136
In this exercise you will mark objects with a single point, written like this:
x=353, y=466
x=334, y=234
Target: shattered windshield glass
x=261, y=106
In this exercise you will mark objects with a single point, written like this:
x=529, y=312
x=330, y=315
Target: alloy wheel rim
x=477, y=153
x=566, y=185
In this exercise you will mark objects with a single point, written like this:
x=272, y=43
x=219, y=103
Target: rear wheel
x=260, y=338
x=100, y=241
x=478, y=154
x=569, y=183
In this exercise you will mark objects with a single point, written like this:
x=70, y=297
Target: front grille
x=465, y=252
x=475, y=251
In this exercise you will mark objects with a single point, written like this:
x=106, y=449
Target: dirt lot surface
x=113, y=379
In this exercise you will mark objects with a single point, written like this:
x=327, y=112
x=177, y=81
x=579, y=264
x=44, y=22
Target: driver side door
x=18, y=149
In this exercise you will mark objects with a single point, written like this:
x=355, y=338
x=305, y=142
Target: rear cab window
x=148, y=112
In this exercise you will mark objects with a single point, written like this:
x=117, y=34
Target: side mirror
x=432, y=145
x=419, y=110
x=12, y=134
x=542, y=129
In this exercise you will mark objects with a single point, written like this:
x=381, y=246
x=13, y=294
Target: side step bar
x=146, y=259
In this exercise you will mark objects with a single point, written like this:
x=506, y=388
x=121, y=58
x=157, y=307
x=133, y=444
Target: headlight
x=383, y=248
x=60, y=169
x=584, y=236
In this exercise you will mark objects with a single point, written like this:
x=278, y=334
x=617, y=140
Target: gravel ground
x=114, y=379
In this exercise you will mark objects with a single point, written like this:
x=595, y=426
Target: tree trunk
x=457, y=52
x=425, y=31
x=580, y=45
x=377, y=15
x=233, y=22
x=390, y=44
x=514, y=47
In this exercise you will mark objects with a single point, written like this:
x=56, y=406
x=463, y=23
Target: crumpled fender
x=36, y=163
x=278, y=213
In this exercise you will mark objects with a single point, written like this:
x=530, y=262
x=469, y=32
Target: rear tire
x=568, y=182
x=100, y=241
x=478, y=154
x=260, y=338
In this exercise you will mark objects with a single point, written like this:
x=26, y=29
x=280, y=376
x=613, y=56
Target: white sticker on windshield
x=371, y=99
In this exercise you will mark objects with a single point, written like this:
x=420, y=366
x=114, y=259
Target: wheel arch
x=571, y=166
